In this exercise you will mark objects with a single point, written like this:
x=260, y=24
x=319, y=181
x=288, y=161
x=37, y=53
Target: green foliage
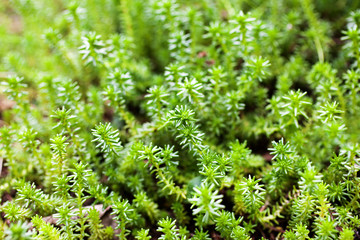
x=168, y=229
x=177, y=119
x=207, y=202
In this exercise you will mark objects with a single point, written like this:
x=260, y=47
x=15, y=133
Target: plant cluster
x=177, y=119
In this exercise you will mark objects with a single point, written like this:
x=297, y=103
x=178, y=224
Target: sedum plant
x=175, y=119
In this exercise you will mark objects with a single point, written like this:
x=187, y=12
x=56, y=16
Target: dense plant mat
x=164, y=119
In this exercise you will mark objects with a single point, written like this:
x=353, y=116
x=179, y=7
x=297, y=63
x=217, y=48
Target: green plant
x=176, y=119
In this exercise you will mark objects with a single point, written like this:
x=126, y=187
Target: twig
x=99, y=207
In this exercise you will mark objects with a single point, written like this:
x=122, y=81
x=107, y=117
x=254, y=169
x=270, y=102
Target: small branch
x=99, y=207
